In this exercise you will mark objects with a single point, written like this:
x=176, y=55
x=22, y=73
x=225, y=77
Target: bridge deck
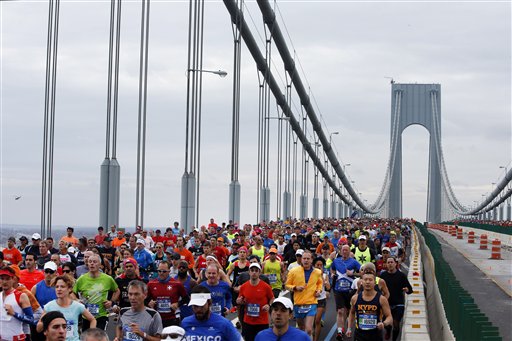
x=489, y=281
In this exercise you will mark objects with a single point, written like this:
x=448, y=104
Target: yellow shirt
x=296, y=278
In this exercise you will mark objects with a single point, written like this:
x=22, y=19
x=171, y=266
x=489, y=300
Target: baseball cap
x=141, y=241
x=16, y=270
x=255, y=265
x=284, y=301
x=299, y=252
x=172, y=333
x=23, y=238
x=199, y=299
x=50, y=265
x=130, y=260
x=272, y=250
x=385, y=248
x=12, y=239
x=107, y=239
x=36, y=236
x=220, y=239
x=293, y=235
x=317, y=234
x=7, y=272
x=362, y=237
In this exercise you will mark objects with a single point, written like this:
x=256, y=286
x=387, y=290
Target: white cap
x=71, y=249
x=255, y=265
x=199, y=299
x=317, y=234
x=293, y=235
x=50, y=265
x=385, y=248
x=36, y=236
x=335, y=230
x=362, y=237
x=141, y=241
x=173, y=333
x=299, y=252
x=284, y=301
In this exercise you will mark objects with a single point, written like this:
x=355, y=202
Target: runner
x=220, y=291
x=281, y=312
x=122, y=281
x=30, y=276
x=275, y=272
x=138, y=323
x=366, y=310
x=343, y=270
x=256, y=296
x=189, y=283
x=165, y=295
x=306, y=284
x=398, y=284
x=71, y=309
x=205, y=325
x=319, y=263
x=54, y=326
x=93, y=287
x=44, y=291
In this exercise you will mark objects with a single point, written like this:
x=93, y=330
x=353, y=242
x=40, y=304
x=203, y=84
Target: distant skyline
x=346, y=59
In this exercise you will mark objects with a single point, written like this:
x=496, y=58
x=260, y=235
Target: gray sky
x=345, y=49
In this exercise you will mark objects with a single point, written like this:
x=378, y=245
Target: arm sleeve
x=27, y=317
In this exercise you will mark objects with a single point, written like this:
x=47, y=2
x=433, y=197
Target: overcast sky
x=345, y=49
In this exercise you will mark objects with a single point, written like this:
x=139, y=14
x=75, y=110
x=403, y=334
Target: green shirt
x=94, y=292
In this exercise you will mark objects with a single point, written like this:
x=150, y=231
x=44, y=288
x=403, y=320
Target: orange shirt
x=187, y=256
x=12, y=255
x=33, y=301
x=29, y=279
x=256, y=296
x=116, y=242
x=72, y=240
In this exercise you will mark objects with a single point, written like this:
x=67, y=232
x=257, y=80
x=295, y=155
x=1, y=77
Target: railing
x=465, y=318
x=492, y=228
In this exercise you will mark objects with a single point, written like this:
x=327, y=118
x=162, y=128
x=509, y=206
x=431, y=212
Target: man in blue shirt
x=220, y=291
x=280, y=314
x=203, y=324
x=144, y=259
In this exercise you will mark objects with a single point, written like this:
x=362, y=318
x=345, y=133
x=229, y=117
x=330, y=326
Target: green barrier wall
x=487, y=227
x=465, y=318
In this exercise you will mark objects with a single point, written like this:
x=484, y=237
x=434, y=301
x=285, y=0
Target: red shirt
x=165, y=294
x=187, y=256
x=221, y=255
x=201, y=263
x=159, y=239
x=12, y=255
x=29, y=279
x=256, y=296
x=99, y=239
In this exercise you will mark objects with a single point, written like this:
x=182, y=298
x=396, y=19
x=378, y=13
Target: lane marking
x=332, y=331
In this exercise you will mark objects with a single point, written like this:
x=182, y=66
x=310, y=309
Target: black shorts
x=322, y=303
x=397, y=312
x=343, y=299
x=276, y=292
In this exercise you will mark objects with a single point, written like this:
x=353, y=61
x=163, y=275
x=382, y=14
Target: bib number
x=342, y=285
x=216, y=308
x=163, y=305
x=304, y=309
x=69, y=329
x=367, y=321
x=272, y=278
x=93, y=308
x=129, y=335
x=253, y=310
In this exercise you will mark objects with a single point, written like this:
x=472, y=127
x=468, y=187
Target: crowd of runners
x=155, y=284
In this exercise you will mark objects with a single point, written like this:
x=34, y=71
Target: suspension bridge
x=258, y=131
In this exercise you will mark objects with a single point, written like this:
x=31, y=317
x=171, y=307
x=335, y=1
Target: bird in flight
x=17, y=197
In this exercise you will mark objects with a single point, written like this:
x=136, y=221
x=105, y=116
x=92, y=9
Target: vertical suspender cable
x=141, y=136
x=199, y=101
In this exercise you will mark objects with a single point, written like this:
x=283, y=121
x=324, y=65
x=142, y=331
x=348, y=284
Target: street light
x=331, y=134
x=220, y=73
x=286, y=118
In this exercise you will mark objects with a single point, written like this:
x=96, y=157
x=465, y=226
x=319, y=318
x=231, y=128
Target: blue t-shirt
x=221, y=296
x=71, y=313
x=291, y=334
x=215, y=328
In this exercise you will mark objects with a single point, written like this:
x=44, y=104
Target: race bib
x=163, y=304
x=253, y=310
x=216, y=308
x=342, y=285
x=272, y=278
x=129, y=335
x=93, y=308
x=304, y=309
x=69, y=329
x=367, y=321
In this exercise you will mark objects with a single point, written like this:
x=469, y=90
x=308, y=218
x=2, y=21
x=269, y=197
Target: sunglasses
x=162, y=271
x=49, y=271
x=66, y=271
x=173, y=336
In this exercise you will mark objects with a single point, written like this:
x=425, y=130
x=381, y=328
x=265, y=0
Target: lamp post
x=331, y=134
x=190, y=179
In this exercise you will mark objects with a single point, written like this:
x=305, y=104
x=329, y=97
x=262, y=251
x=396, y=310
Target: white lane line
x=332, y=331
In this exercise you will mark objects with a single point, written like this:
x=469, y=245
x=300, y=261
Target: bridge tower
x=416, y=104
